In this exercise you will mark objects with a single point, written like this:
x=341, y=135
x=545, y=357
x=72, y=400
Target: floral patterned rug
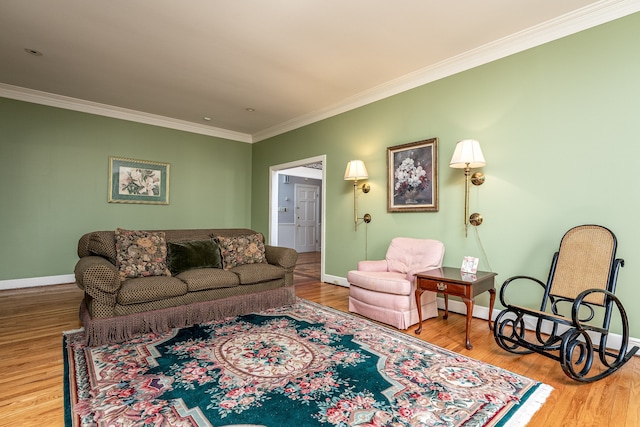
x=300, y=365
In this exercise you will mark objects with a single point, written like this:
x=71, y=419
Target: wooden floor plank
x=31, y=373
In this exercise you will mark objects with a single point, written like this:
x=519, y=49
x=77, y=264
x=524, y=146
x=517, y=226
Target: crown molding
x=75, y=104
x=579, y=20
x=590, y=16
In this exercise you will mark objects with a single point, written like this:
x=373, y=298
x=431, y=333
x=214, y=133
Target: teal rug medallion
x=300, y=365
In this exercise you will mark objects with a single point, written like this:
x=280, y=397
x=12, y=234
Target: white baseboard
x=459, y=307
x=481, y=312
x=36, y=281
x=335, y=280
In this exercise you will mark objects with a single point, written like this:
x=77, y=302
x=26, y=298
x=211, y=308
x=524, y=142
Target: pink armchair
x=384, y=290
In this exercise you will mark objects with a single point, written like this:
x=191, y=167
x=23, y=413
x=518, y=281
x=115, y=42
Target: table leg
x=469, y=304
x=418, y=303
x=446, y=306
x=492, y=299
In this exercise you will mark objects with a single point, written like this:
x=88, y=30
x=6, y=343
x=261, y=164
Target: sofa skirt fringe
x=100, y=331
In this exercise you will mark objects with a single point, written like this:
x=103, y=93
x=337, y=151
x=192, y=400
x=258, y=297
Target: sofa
x=141, y=281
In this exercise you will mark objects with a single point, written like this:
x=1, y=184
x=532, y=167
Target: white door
x=306, y=217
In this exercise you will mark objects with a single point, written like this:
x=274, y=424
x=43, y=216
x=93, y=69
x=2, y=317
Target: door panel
x=306, y=217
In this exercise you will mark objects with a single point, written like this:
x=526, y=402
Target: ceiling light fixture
x=251, y=110
x=33, y=52
x=206, y=119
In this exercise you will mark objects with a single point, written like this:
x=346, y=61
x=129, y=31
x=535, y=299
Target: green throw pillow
x=185, y=256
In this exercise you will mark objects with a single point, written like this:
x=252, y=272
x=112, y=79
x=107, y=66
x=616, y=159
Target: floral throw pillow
x=240, y=250
x=141, y=254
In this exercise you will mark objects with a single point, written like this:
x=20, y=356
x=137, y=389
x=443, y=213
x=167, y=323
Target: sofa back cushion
x=103, y=243
x=183, y=256
x=182, y=235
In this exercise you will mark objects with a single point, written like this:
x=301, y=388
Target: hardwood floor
x=31, y=324
x=613, y=401
x=307, y=268
x=31, y=372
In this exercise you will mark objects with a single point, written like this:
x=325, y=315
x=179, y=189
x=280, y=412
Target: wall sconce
x=467, y=156
x=355, y=171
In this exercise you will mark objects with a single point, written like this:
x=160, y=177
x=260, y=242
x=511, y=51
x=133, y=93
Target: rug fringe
x=72, y=331
x=523, y=415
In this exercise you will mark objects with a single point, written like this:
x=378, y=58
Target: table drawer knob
x=441, y=286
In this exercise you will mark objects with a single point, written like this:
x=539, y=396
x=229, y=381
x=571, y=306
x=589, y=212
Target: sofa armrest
x=97, y=275
x=281, y=256
x=378, y=265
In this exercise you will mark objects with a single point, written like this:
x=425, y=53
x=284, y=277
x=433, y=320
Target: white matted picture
x=413, y=177
x=470, y=264
x=138, y=181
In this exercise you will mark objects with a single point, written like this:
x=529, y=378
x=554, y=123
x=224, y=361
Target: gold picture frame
x=138, y=181
x=412, y=171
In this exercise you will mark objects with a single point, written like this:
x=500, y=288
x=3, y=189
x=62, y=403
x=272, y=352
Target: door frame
x=273, y=203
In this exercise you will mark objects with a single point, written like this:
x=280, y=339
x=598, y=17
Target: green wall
x=555, y=124
x=54, y=183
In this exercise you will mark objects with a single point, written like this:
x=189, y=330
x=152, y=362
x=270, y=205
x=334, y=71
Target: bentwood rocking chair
x=572, y=323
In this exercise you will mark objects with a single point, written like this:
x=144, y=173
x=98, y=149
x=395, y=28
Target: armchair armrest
x=378, y=265
x=411, y=274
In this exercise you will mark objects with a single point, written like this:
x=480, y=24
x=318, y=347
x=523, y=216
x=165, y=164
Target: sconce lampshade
x=355, y=171
x=467, y=154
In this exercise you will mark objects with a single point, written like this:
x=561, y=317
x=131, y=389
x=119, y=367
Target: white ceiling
x=294, y=62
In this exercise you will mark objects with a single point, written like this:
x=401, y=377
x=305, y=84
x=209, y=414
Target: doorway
x=297, y=220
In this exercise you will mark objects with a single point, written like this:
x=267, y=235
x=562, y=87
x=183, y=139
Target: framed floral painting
x=138, y=181
x=413, y=177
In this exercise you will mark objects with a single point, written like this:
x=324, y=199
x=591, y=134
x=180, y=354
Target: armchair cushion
x=408, y=255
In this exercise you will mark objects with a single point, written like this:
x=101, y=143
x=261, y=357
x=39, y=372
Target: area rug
x=300, y=365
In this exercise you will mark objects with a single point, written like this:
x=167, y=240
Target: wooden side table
x=451, y=281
